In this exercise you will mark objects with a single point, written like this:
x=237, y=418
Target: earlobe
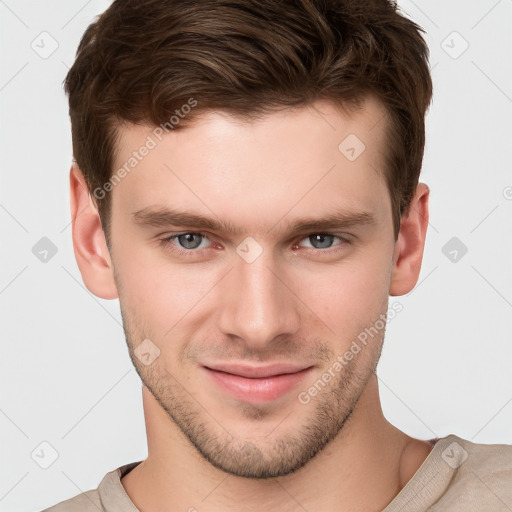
x=89, y=244
x=409, y=246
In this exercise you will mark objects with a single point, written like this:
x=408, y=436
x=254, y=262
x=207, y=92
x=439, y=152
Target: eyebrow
x=165, y=217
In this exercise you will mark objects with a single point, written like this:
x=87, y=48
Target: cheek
x=165, y=294
x=158, y=289
x=350, y=296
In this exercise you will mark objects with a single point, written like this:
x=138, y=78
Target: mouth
x=257, y=384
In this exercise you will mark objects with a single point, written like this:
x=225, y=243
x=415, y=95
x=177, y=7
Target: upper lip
x=257, y=372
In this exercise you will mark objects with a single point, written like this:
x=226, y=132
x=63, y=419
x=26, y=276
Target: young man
x=246, y=182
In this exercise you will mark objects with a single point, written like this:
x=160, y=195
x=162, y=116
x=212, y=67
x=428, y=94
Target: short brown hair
x=144, y=59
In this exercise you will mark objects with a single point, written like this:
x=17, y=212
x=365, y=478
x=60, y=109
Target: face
x=245, y=313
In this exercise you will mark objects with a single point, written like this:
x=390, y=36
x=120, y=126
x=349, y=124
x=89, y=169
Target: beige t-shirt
x=457, y=476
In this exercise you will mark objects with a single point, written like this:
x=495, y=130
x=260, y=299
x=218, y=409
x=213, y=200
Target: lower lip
x=257, y=390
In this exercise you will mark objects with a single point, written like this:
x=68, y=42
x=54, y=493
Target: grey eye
x=321, y=241
x=186, y=240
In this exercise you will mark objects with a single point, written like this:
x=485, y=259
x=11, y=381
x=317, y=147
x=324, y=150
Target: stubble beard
x=282, y=453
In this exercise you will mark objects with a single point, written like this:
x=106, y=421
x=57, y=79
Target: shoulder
x=109, y=496
x=459, y=476
x=481, y=458
x=482, y=475
x=86, y=502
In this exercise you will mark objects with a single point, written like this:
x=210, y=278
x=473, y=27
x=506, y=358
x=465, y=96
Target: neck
x=368, y=458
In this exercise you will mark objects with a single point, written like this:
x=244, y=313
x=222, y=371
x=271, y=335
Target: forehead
x=293, y=161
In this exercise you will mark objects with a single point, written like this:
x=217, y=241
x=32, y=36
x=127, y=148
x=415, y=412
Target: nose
x=258, y=303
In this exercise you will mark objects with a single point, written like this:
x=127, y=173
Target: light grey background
x=65, y=372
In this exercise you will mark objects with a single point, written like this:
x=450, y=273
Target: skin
x=296, y=303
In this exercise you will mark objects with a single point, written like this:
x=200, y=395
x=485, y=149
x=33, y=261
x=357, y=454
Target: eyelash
x=167, y=242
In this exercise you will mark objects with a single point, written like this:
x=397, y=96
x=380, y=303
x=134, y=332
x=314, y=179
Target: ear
x=89, y=244
x=408, y=252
